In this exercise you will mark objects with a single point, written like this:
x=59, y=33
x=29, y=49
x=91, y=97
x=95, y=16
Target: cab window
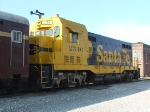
x=48, y=32
x=56, y=31
x=38, y=33
x=74, y=37
x=31, y=33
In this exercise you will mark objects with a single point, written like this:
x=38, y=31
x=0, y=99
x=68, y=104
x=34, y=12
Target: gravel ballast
x=119, y=97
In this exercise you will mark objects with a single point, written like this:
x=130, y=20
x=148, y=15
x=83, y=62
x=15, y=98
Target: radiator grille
x=78, y=59
x=72, y=59
x=66, y=59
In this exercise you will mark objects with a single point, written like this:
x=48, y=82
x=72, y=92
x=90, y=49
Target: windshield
x=44, y=32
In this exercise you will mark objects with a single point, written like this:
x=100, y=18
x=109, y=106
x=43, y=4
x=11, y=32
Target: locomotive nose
x=40, y=49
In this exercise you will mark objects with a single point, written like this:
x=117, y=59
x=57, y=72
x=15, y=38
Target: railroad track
x=99, y=86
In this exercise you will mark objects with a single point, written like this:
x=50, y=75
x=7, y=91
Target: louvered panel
x=71, y=59
x=78, y=59
x=66, y=59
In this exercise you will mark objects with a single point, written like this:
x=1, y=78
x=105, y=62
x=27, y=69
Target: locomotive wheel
x=2, y=91
x=63, y=84
x=131, y=78
x=136, y=76
x=106, y=82
x=117, y=81
x=83, y=82
x=78, y=83
x=126, y=78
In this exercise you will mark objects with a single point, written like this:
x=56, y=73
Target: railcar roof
x=13, y=18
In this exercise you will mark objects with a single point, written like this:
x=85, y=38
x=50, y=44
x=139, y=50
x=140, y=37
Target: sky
x=127, y=20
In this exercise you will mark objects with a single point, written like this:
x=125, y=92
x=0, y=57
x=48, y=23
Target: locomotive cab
x=43, y=38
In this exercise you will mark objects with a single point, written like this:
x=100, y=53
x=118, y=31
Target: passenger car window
x=16, y=36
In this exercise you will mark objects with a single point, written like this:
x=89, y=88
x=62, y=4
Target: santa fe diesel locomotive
x=63, y=53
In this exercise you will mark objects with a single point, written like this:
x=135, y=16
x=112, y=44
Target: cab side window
x=74, y=37
x=56, y=31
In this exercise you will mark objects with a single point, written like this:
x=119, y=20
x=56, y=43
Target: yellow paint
x=105, y=57
x=5, y=34
x=33, y=27
x=44, y=23
x=96, y=69
x=111, y=57
x=115, y=56
x=100, y=54
x=25, y=37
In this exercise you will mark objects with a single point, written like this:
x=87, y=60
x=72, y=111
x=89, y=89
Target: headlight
x=38, y=33
x=31, y=33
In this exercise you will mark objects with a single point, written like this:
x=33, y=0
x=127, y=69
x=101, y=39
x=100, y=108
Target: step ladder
x=45, y=77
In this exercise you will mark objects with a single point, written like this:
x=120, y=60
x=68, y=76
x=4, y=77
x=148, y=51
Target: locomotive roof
x=13, y=18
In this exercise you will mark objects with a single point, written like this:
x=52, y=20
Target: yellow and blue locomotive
x=64, y=53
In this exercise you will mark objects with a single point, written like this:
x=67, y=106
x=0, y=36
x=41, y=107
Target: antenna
x=37, y=13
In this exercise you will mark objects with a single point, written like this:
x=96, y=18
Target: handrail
x=48, y=51
x=23, y=49
x=11, y=50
